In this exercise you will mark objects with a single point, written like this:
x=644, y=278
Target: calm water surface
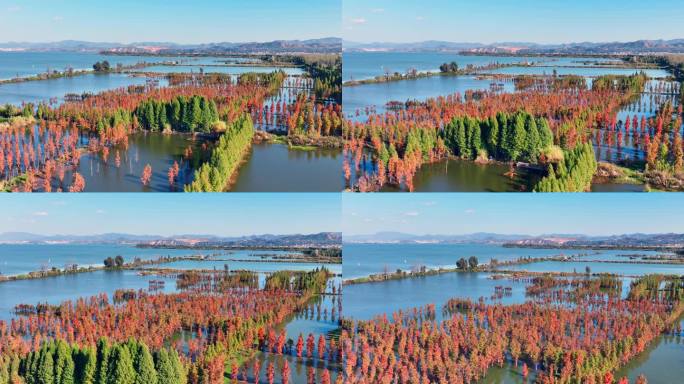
x=365, y=259
x=275, y=168
x=23, y=258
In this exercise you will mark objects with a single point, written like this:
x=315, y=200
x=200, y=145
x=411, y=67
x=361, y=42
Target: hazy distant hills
x=405, y=238
x=632, y=240
x=581, y=48
x=665, y=240
x=323, y=45
x=323, y=239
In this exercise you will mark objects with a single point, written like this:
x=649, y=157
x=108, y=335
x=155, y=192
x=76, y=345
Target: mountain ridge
x=312, y=239
x=644, y=46
x=320, y=45
x=672, y=239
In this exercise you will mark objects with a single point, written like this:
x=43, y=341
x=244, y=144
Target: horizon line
x=510, y=41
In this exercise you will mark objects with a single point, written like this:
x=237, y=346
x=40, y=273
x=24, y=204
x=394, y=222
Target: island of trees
x=551, y=124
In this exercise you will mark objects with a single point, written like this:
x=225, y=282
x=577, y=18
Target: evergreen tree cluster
x=271, y=80
x=225, y=158
x=634, y=83
x=298, y=281
x=449, y=67
x=102, y=66
x=183, y=114
x=57, y=362
x=572, y=174
x=516, y=137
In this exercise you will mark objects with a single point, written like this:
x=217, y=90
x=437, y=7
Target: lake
x=358, y=97
x=454, y=176
x=154, y=148
x=23, y=64
x=662, y=362
x=232, y=69
x=244, y=261
x=276, y=168
x=367, y=65
x=361, y=260
x=23, y=258
x=55, y=89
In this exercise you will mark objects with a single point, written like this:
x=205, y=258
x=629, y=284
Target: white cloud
x=420, y=18
x=359, y=21
x=13, y=8
x=378, y=10
x=367, y=220
x=57, y=18
x=429, y=203
x=411, y=213
x=100, y=211
x=469, y=211
x=40, y=213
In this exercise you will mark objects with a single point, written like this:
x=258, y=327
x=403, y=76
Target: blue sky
x=186, y=21
x=534, y=214
x=227, y=214
x=542, y=21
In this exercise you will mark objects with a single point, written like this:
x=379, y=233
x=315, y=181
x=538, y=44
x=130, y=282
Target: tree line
x=183, y=114
x=213, y=176
x=516, y=137
x=573, y=173
x=58, y=362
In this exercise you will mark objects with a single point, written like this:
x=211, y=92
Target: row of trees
x=114, y=262
x=214, y=175
x=308, y=281
x=573, y=173
x=58, y=362
x=516, y=137
x=183, y=114
x=628, y=84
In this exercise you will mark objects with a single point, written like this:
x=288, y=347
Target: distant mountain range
x=671, y=240
x=521, y=48
x=323, y=45
x=405, y=238
x=635, y=240
x=323, y=239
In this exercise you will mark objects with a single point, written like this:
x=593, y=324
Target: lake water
x=255, y=265
x=268, y=167
x=359, y=97
x=366, y=301
x=235, y=70
x=662, y=362
x=596, y=267
x=367, y=65
x=55, y=89
x=23, y=258
x=468, y=176
x=361, y=260
x=157, y=149
x=54, y=290
x=22, y=64
x=275, y=168
x=586, y=72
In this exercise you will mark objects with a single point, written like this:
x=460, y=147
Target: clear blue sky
x=186, y=21
x=542, y=21
x=534, y=214
x=227, y=214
